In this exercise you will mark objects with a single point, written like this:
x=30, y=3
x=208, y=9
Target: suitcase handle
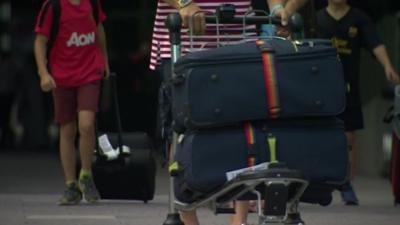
x=114, y=96
x=114, y=90
x=295, y=22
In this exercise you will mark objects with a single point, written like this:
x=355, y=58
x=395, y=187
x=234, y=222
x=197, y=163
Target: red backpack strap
x=95, y=10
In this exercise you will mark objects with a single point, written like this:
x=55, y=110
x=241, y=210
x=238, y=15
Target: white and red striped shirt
x=161, y=46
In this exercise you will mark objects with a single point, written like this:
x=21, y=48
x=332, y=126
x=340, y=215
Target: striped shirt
x=160, y=44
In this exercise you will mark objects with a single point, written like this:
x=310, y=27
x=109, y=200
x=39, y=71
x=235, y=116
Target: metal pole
x=397, y=42
x=174, y=25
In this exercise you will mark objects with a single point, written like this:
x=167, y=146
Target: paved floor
x=30, y=184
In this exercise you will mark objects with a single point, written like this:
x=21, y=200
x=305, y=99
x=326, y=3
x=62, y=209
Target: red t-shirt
x=75, y=58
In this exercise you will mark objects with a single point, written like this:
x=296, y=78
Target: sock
x=85, y=173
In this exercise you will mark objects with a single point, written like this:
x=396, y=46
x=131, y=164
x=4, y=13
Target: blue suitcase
x=317, y=148
x=232, y=84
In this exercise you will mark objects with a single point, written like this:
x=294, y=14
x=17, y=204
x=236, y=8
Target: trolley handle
x=249, y=20
x=295, y=23
x=174, y=25
x=227, y=16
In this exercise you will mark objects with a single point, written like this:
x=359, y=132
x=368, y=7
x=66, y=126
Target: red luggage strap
x=270, y=80
x=252, y=152
x=251, y=143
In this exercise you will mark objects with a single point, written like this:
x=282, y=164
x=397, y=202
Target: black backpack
x=56, y=6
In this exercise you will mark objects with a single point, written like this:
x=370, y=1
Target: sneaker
x=87, y=187
x=348, y=195
x=72, y=195
x=293, y=219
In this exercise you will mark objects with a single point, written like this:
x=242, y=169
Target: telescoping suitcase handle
x=114, y=92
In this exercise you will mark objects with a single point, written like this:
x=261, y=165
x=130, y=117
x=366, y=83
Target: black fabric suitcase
x=316, y=148
x=130, y=176
x=227, y=85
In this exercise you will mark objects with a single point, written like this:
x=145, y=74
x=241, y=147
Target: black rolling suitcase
x=316, y=148
x=254, y=81
x=131, y=175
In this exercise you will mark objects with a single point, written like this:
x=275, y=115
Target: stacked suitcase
x=393, y=117
x=272, y=91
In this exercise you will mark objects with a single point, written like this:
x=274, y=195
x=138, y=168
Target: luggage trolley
x=284, y=187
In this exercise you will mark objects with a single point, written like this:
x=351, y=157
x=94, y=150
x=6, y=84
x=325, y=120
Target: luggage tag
x=106, y=148
x=272, y=148
x=249, y=131
x=230, y=175
x=180, y=138
x=125, y=150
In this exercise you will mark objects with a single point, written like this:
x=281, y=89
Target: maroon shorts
x=68, y=101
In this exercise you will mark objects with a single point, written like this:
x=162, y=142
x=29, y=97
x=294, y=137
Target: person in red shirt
x=72, y=69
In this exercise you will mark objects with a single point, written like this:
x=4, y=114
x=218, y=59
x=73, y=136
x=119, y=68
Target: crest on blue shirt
x=353, y=32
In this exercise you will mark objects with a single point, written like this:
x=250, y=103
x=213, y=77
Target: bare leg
x=241, y=209
x=189, y=217
x=347, y=192
x=67, y=150
x=87, y=138
x=350, y=135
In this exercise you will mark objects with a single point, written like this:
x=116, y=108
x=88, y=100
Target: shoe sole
x=88, y=199
x=351, y=204
x=92, y=201
x=76, y=202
